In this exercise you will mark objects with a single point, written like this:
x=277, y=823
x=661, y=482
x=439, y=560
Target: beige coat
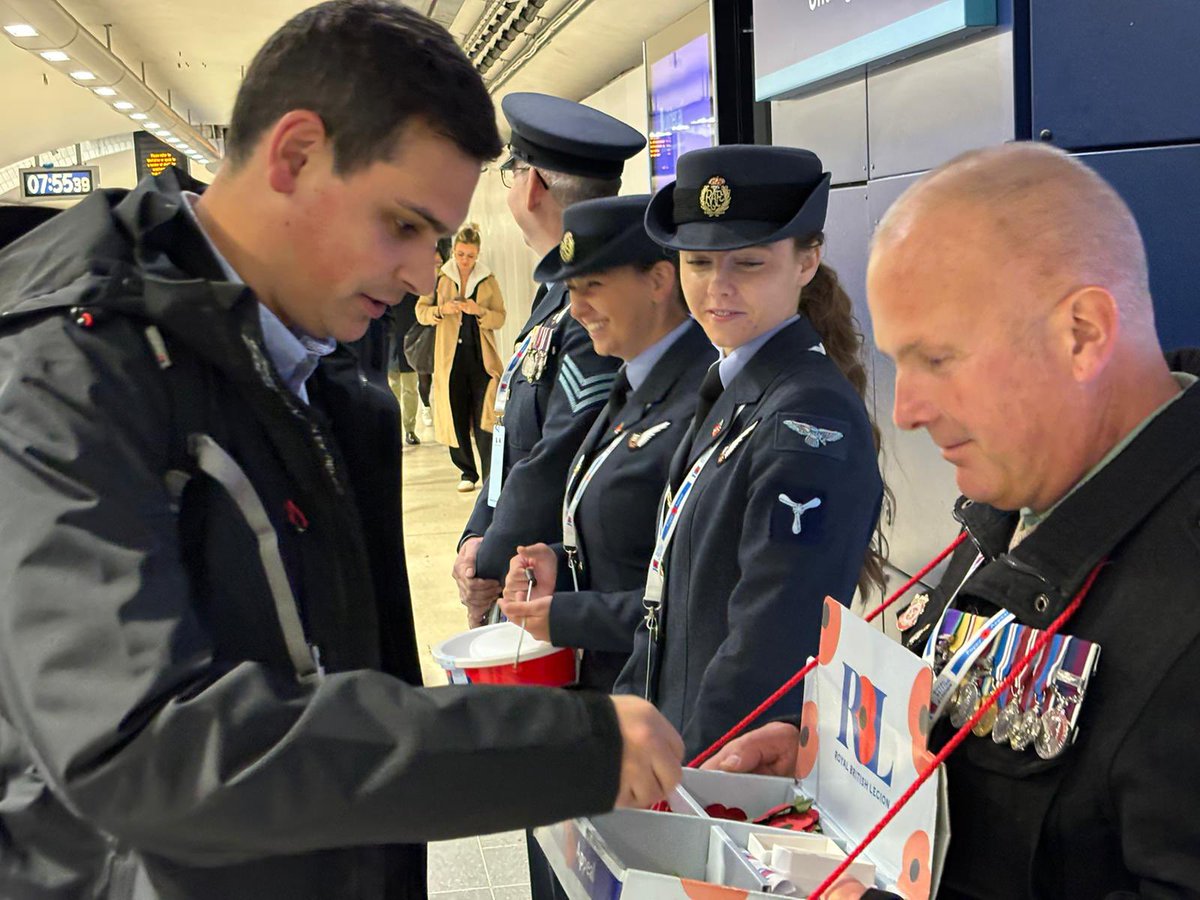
x=445, y=342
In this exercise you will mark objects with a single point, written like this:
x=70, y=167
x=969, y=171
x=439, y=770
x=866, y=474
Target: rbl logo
x=862, y=719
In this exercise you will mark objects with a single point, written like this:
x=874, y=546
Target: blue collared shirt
x=732, y=364
x=295, y=355
x=638, y=369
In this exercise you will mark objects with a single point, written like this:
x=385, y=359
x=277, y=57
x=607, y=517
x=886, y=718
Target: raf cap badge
x=715, y=197
x=566, y=250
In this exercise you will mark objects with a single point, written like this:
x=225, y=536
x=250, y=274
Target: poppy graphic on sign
x=862, y=721
x=919, y=718
x=831, y=630
x=806, y=754
x=866, y=736
x=702, y=890
x=915, y=877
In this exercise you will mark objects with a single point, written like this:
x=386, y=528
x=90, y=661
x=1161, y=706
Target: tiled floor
x=492, y=867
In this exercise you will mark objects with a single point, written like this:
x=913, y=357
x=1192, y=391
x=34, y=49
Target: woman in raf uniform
x=625, y=292
x=776, y=489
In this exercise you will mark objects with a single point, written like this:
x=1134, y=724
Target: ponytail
x=825, y=303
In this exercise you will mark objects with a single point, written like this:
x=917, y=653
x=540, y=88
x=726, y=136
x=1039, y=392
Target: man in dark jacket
x=1011, y=289
x=207, y=663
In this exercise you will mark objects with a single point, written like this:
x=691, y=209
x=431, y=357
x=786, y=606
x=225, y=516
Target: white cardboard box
x=863, y=740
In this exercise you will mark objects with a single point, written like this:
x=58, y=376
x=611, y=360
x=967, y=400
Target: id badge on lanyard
x=571, y=505
x=496, y=474
x=669, y=516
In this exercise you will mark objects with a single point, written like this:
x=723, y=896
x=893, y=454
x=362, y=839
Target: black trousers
x=468, y=387
x=424, y=383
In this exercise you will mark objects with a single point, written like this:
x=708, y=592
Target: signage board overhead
x=152, y=155
x=802, y=44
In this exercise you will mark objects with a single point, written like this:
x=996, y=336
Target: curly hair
x=825, y=303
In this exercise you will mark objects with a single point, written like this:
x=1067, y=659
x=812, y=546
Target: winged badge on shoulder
x=813, y=436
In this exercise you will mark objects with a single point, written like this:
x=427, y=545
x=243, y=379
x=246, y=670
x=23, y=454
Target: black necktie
x=616, y=398
x=601, y=430
x=710, y=390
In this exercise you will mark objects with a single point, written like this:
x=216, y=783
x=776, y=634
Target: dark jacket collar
x=678, y=358
x=1056, y=558
x=550, y=303
x=139, y=253
x=776, y=359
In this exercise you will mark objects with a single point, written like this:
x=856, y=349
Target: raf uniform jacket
x=616, y=515
x=544, y=422
x=159, y=734
x=1117, y=815
x=747, y=572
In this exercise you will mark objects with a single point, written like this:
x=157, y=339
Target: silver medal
x=1056, y=724
x=1055, y=733
x=964, y=703
x=1005, y=720
x=1026, y=728
x=533, y=365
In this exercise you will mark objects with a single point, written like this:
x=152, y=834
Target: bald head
x=1010, y=288
x=1037, y=208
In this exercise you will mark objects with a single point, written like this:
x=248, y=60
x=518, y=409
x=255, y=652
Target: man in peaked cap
x=560, y=153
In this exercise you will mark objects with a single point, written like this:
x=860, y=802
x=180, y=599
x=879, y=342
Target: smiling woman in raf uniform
x=775, y=489
x=625, y=292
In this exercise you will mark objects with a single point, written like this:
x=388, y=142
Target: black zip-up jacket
x=1118, y=814
x=164, y=732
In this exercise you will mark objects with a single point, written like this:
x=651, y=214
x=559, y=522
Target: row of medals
x=534, y=363
x=1048, y=729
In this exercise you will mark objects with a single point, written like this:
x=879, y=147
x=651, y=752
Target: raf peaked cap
x=562, y=136
x=600, y=234
x=739, y=195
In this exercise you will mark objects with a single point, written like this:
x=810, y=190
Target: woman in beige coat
x=467, y=309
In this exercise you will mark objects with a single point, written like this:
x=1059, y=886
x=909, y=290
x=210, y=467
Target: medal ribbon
x=509, y=371
x=931, y=643
x=1007, y=648
x=1047, y=664
x=959, y=666
x=522, y=350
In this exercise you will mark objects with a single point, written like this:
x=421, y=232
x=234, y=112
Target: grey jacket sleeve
x=106, y=672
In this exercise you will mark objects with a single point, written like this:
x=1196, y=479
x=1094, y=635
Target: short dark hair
x=368, y=68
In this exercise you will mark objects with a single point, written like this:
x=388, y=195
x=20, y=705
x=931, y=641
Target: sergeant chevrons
x=545, y=422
